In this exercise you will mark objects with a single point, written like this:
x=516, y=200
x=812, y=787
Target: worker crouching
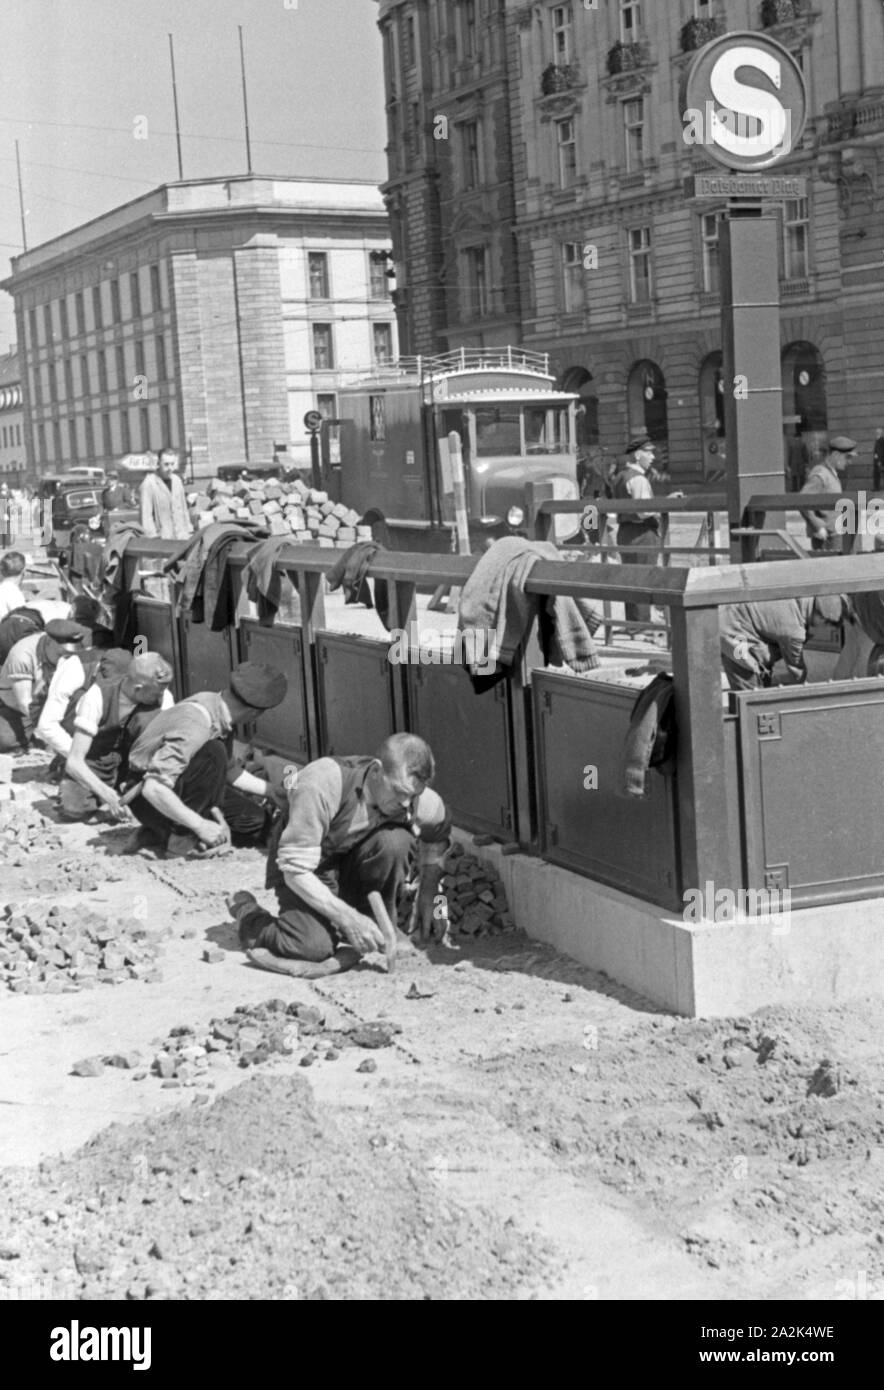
x=355, y=826
x=195, y=798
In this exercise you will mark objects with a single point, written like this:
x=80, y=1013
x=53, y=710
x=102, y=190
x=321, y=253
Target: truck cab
x=517, y=436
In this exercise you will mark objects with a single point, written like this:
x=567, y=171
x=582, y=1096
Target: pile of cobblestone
x=474, y=895
x=49, y=949
x=252, y=1035
x=25, y=832
x=286, y=508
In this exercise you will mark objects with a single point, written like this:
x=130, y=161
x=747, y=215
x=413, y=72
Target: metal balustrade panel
x=630, y=843
x=355, y=693
x=205, y=656
x=812, y=773
x=284, y=729
x=155, y=624
x=470, y=738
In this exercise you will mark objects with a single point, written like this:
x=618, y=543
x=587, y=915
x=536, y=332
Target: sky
x=79, y=76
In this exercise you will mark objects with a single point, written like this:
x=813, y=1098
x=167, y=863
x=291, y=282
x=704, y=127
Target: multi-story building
x=13, y=463
x=208, y=316
x=617, y=272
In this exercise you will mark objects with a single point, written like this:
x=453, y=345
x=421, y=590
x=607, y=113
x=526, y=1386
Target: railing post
x=709, y=852
x=522, y=727
x=311, y=592
x=402, y=614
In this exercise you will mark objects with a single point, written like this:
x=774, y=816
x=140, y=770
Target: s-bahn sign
x=744, y=102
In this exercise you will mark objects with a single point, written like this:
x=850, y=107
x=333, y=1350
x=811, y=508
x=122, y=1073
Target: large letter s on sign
x=748, y=101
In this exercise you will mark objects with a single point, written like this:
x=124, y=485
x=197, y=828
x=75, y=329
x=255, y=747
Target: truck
x=388, y=454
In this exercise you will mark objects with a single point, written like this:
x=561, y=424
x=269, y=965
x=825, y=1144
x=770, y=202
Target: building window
x=68, y=379
x=63, y=318
x=156, y=292
x=327, y=405
x=379, y=285
x=96, y=306
x=383, y=343
x=121, y=369
x=796, y=228
x=84, y=375
x=378, y=409
x=317, y=264
x=32, y=329
x=106, y=439
x=470, y=161
x=90, y=438
x=47, y=322
x=37, y=386
x=634, y=125
x=102, y=370
x=125, y=434
x=709, y=234
x=53, y=383
x=144, y=421
x=323, y=350
x=468, y=20
x=630, y=21
x=162, y=372
x=116, y=311
x=56, y=440
x=135, y=294
x=561, y=35
x=139, y=357
x=80, y=312
x=72, y=437
x=476, y=261
x=165, y=426
x=567, y=153
x=640, y=285
x=703, y=9
x=573, y=283
x=410, y=43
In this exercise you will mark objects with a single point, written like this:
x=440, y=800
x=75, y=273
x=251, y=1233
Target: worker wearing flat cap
x=755, y=636
x=26, y=675
x=355, y=826
x=108, y=717
x=195, y=795
x=639, y=530
x=825, y=476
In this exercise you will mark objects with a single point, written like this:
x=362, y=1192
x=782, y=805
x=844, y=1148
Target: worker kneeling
x=108, y=719
x=195, y=796
x=354, y=826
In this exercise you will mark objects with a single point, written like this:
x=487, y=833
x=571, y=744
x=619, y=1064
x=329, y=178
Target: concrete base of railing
x=817, y=955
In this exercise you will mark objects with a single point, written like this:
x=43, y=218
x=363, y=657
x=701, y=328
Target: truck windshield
x=546, y=430
x=498, y=431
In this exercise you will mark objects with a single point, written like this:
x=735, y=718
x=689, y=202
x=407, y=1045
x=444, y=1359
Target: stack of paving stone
x=48, y=949
x=24, y=832
x=476, y=898
x=285, y=508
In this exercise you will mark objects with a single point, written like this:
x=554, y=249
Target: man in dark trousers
x=755, y=636
x=638, y=529
x=195, y=795
x=825, y=476
x=353, y=826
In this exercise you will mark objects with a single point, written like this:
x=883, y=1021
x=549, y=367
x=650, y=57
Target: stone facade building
x=208, y=315
x=13, y=461
x=605, y=263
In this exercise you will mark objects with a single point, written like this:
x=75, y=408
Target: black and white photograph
x=442, y=667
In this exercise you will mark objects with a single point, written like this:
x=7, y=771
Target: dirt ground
x=533, y=1132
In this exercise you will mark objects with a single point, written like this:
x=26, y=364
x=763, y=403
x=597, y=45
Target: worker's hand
x=362, y=933
x=213, y=832
x=115, y=810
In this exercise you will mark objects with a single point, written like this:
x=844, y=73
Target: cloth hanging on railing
x=200, y=569
x=651, y=740
x=351, y=570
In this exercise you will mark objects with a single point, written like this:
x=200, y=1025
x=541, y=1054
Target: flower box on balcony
x=698, y=32
x=779, y=11
x=559, y=78
x=626, y=57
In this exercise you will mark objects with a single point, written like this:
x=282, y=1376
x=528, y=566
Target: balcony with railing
x=698, y=32
x=628, y=57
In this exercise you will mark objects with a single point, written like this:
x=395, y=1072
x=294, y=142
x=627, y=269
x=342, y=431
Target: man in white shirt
x=109, y=717
x=70, y=680
x=12, y=566
x=26, y=675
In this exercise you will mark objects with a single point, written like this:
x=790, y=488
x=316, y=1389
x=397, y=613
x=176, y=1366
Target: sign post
x=744, y=104
x=313, y=424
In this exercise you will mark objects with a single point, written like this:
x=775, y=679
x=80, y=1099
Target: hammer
x=381, y=916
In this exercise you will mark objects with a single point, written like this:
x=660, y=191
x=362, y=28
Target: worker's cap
x=63, y=630
x=262, y=687
x=842, y=445
x=642, y=441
